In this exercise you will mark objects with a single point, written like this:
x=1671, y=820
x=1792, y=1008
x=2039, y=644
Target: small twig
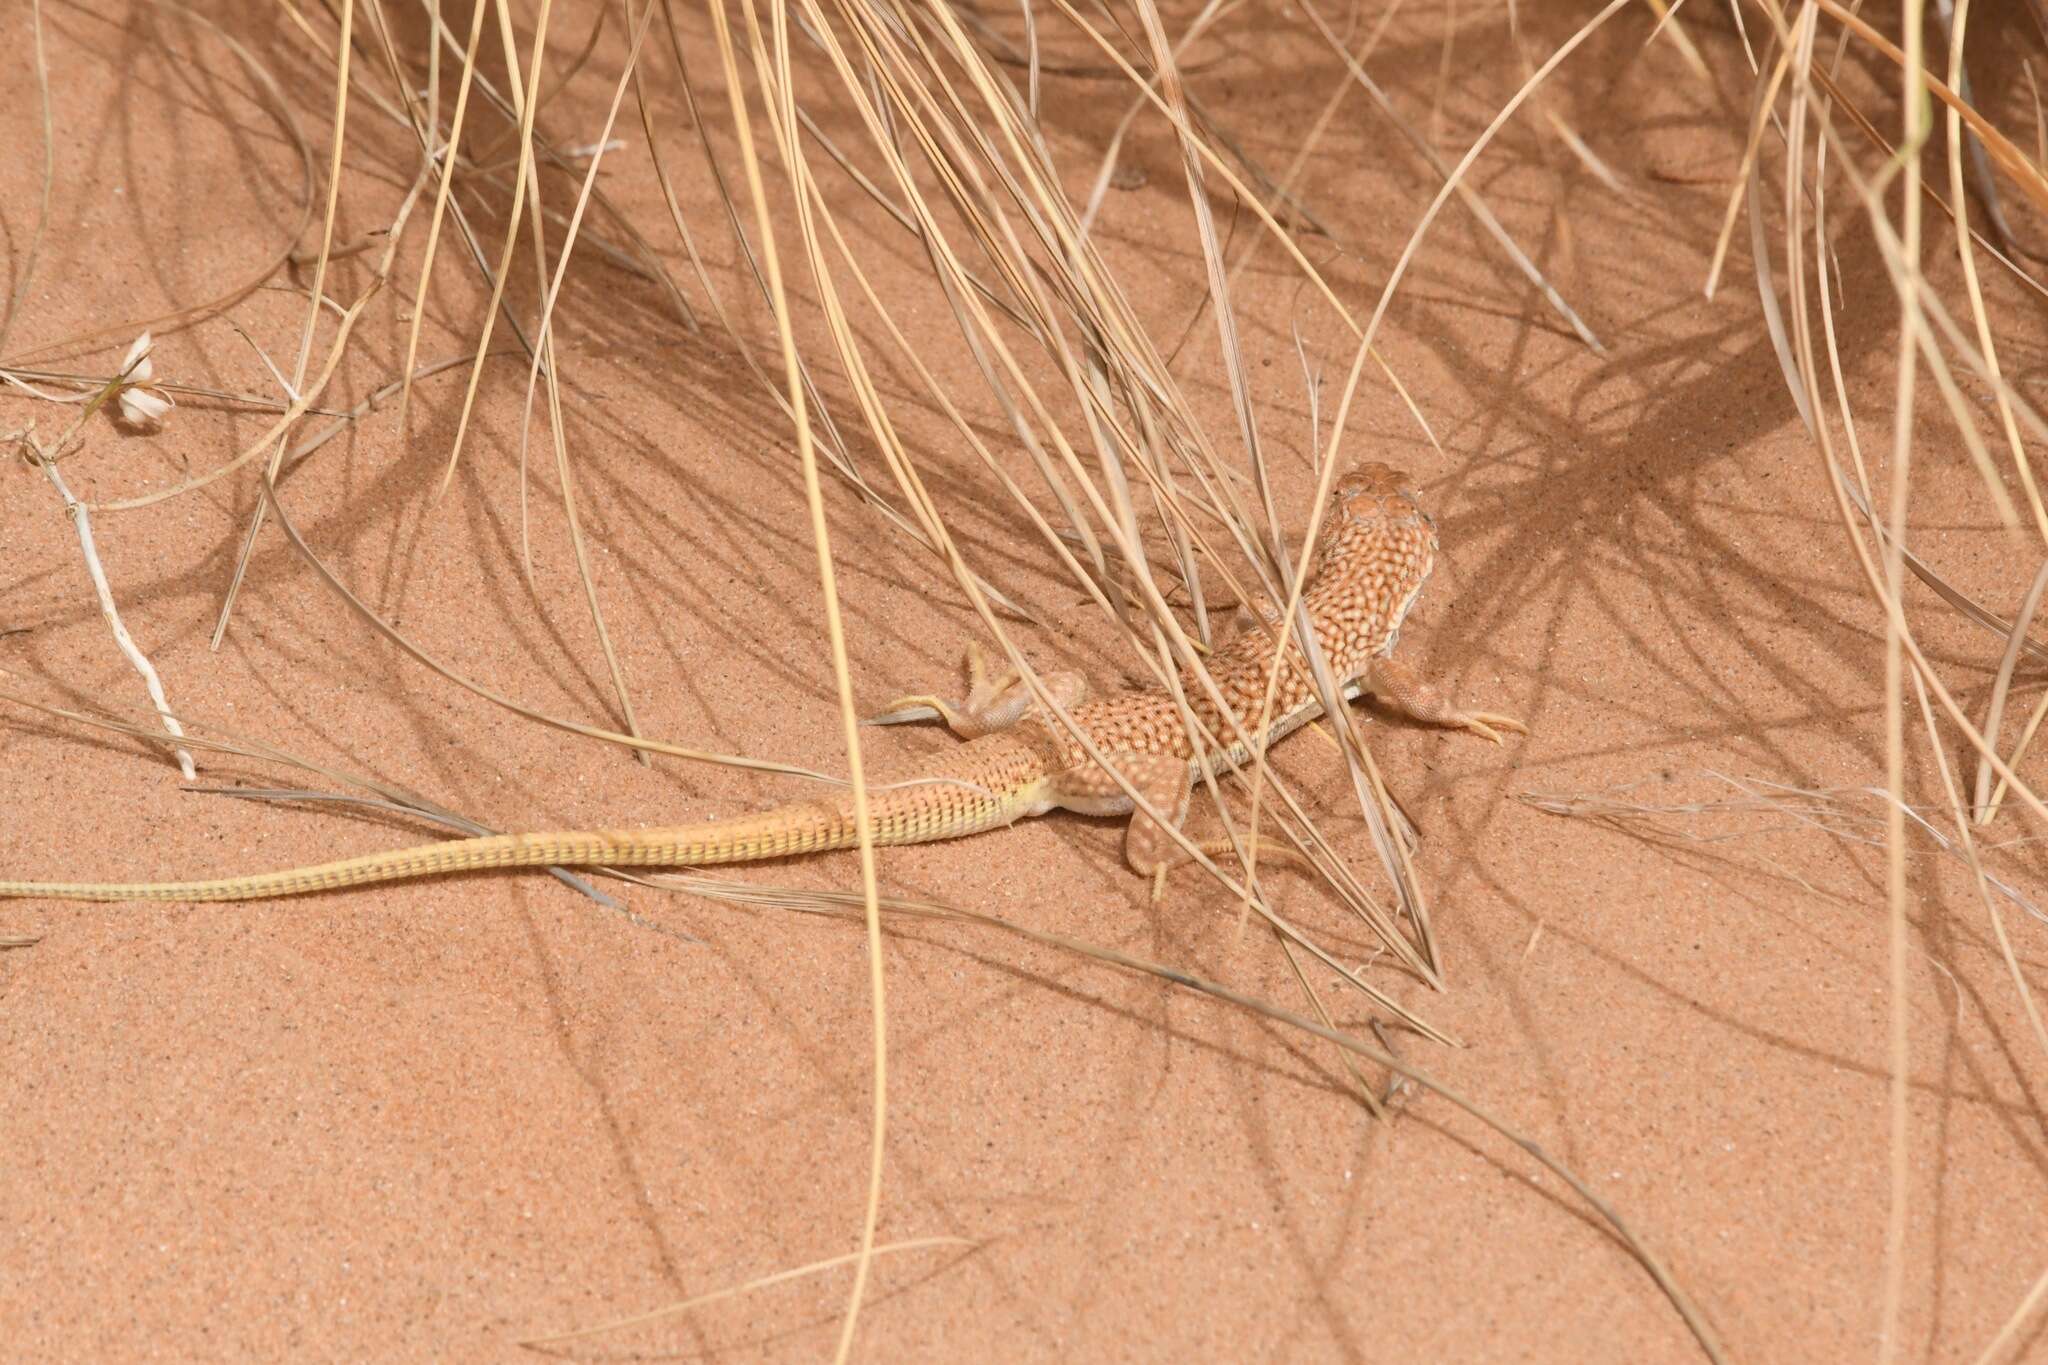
x=1824, y=809
x=19, y=377
x=761, y=1282
x=1397, y=1084
x=83, y=521
x=25, y=269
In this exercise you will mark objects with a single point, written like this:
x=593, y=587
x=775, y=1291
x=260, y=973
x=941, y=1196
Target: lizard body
x=1379, y=550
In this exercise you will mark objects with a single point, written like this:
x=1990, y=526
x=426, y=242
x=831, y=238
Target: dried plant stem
x=521, y=180
x=1958, y=24
x=778, y=92
x=734, y=1291
x=82, y=520
x=25, y=270
x=317, y=297
x=1913, y=137
x=440, y=159
x=837, y=904
x=2009, y=1333
x=2001, y=684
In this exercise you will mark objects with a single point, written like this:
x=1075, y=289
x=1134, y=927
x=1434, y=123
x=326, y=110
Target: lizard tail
x=800, y=827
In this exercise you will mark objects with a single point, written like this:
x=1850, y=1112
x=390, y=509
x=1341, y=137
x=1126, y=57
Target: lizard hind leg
x=993, y=702
x=1398, y=685
x=1165, y=781
x=1161, y=778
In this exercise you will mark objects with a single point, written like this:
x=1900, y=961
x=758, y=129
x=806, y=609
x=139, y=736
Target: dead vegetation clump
x=1014, y=378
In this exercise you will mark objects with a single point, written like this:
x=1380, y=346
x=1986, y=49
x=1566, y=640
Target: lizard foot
x=1487, y=725
x=993, y=703
x=1397, y=684
x=1268, y=851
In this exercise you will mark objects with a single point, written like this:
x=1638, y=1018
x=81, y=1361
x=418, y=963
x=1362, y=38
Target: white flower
x=144, y=407
x=141, y=405
x=136, y=366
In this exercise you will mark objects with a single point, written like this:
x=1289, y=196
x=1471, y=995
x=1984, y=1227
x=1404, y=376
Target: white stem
x=83, y=522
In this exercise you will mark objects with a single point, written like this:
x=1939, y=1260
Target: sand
x=432, y=1120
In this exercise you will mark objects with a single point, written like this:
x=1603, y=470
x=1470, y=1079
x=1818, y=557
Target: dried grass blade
x=830, y=904
x=777, y=92
x=733, y=1291
x=316, y=298
x=1994, y=711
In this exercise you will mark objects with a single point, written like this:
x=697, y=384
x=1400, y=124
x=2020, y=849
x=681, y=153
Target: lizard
x=1378, y=552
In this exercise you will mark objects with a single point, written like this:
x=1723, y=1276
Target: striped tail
x=911, y=814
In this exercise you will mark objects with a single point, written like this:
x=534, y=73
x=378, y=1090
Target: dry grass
x=1161, y=521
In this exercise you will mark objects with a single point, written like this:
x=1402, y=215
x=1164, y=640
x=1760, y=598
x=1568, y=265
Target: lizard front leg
x=993, y=703
x=1400, y=686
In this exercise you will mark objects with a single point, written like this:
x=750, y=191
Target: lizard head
x=1373, y=493
x=1373, y=478
x=1377, y=522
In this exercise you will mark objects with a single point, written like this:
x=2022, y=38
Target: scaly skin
x=1377, y=553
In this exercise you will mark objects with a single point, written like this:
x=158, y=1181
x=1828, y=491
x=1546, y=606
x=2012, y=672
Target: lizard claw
x=1482, y=723
x=995, y=700
x=979, y=713
x=905, y=710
